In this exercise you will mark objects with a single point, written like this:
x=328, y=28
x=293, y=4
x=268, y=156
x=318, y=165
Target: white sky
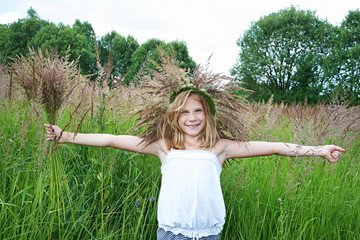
x=207, y=26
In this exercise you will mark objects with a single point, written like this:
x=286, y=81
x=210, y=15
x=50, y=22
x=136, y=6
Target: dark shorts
x=167, y=235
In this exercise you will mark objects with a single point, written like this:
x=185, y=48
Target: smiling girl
x=192, y=153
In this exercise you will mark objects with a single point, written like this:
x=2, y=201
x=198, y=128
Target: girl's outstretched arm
x=234, y=149
x=125, y=142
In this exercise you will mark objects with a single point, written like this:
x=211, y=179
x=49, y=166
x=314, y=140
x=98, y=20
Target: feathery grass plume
x=104, y=89
x=57, y=77
x=48, y=76
x=25, y=75
x=120, y=104
x=105, y=75
x=77, y=105
x=324, y=123
x=310, y=124
x=5, y=81
x=105, y=86
x=154, y=88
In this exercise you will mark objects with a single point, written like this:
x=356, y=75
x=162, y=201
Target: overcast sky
x=209, y=27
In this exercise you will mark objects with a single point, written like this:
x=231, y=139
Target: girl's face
x=192, y=117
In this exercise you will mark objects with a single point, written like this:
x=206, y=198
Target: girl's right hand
x=53, y=131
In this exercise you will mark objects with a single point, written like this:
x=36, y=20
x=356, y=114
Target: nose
x=192, y=117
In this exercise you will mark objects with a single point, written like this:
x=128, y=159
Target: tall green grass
x=83, y=192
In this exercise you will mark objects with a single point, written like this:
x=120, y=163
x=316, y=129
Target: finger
x=335, y=152
x=49, y=133
x=333, y=160
x=336, y=157
x=336, y=148
x=49, y=129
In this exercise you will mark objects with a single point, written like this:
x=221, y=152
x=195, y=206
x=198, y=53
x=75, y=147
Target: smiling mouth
x=193, y=126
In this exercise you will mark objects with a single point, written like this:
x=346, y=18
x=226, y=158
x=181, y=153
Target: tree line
x=290, y=55
x=124, y=56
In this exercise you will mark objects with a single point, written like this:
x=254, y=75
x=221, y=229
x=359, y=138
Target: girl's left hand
x=332, y=153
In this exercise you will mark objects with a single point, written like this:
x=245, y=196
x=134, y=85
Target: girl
x=192, y=153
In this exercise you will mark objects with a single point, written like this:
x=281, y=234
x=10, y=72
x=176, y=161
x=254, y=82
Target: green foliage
x=283, y=54
x=35, y=202
x=122, y=55
x=146, y=51
x=19, y=33
x=181, y=53
x=264, y=204
x=4, y=31
x=86, y=29
x=291, y=55
x=62, y=37
x=149, y=50
x=343, y=64
x=87, y=52
x=121, y=50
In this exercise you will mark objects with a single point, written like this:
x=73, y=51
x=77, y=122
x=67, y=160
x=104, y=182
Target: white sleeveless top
x=191, y=200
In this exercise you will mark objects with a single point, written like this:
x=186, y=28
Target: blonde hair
x=169, y=129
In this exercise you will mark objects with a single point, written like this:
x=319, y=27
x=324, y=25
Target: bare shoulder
x=161, y=146
x=221, y=149
x=162, y=150
x=225, y=144
x=226, y=148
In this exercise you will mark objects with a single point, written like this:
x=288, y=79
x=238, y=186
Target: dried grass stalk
x=5, y=81
x=48, y=77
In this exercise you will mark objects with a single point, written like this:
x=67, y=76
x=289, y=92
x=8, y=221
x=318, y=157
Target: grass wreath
x=206, y=96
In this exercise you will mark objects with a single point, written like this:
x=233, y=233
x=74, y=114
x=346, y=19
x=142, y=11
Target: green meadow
x=50, y=191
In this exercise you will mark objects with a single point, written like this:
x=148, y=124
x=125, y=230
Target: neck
x=191, y=143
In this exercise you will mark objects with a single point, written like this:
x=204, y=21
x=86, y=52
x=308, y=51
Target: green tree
x=17, y=35
x=343, y=65
x=4, y=31
x=149, y=50
x=86, y=29
x=62, y=37
x=182, y=55
x=121, y=50
x=88, y=55
x=282, y=54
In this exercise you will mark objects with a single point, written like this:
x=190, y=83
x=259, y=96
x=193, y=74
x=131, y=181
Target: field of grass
x=80, y=192
x=51, y=191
